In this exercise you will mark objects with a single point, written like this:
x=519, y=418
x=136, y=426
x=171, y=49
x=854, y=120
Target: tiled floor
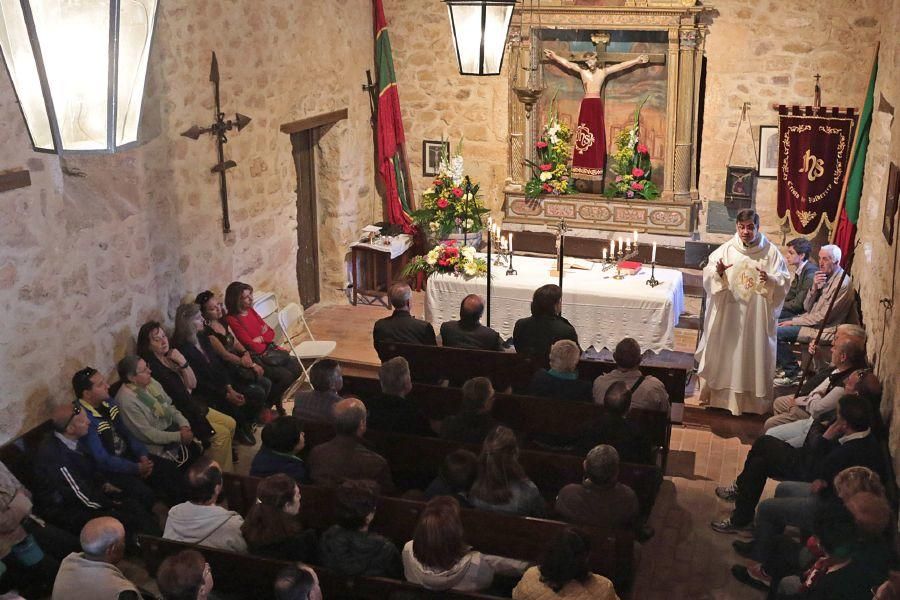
x=686, y=559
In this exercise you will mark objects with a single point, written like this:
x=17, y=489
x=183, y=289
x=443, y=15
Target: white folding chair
x=310, y=350
x=266, y=305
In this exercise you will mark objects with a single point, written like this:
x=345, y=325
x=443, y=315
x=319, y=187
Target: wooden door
x=307, y=217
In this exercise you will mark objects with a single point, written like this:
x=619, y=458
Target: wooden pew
x=16, y=454
x=523, y=538
x=430, y=364
x=527, y=415
x=247, y=576
x=415, y=462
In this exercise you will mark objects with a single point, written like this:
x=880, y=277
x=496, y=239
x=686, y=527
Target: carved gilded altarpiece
x=672, y=34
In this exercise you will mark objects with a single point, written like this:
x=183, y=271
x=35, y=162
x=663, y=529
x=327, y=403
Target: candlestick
x=510, y=271
x=653, y=255
x=652, y=282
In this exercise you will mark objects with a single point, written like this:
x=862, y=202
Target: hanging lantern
x=78, y=68
x=480, y=28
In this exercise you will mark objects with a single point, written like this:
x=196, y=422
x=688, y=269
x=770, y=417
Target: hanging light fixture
x=480, y=28
x=78, y=68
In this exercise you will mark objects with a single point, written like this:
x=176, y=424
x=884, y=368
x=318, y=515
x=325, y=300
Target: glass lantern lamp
x=480, y=28
x=78, y=68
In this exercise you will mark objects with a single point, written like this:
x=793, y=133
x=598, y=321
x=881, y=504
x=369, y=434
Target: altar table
x=603, y=310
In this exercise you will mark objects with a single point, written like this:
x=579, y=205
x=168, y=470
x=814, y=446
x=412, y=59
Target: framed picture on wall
x=431, y=156
x=890, y=203
x=768, y=151
x=739, y=186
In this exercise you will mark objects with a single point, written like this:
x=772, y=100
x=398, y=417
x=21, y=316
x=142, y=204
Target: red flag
x=389, y=128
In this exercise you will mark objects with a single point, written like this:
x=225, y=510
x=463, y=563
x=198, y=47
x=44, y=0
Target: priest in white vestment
x=746, y=280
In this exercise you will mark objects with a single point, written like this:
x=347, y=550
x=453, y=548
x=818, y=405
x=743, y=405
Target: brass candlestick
x=653, y=281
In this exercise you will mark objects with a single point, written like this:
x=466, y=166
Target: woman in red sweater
x=256, y=336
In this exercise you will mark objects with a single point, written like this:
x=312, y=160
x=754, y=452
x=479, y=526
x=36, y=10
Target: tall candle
x=653, y=256
x=634, y=234
x=612, y=247
x=628, y=245
x=604, y=254
x=510, y=243
x=621, y=246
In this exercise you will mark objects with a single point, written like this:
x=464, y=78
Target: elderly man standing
x=93, y=574
x=401, y=326
x=829, y=283
x=346, y=457
x=468, y=332
x=745, y=281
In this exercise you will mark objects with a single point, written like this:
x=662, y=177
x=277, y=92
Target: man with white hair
x=561, y=379
x=393, y=410
x=828, y=283
x=92, y=574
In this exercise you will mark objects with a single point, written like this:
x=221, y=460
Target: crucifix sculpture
x=218, y=129
x=589, y=143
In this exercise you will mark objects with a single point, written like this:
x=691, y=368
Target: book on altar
x=578, y=263
x=630, y=267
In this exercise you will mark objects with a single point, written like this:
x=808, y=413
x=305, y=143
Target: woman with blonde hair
x=438, y=557
x=501, y=484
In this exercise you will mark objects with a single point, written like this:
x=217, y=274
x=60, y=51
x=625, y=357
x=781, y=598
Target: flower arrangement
x=451, y=204
x=448, y=258
x=551, y=174
x=631, y=163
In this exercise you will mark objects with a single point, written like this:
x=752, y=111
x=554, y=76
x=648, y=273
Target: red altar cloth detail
x=589, y=156
x=812, y=160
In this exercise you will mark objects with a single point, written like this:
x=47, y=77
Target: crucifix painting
x=617, y=71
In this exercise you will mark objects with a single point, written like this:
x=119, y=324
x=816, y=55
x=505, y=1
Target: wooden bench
x=246, y=576
x=527, y=415
x=509, y=370
x=524, y=538
x=16, y=454
x=415, y=462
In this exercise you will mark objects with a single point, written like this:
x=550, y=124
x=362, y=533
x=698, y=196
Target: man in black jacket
x=468, y=332
x=848, y=442
x=535, y=335
x=797, y=256
x=401, y=326
x=393, y=410
x=70, y=490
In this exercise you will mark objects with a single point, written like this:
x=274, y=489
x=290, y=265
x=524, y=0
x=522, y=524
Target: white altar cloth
x=603, y=310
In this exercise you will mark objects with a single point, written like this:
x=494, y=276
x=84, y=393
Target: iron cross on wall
x=218, y=129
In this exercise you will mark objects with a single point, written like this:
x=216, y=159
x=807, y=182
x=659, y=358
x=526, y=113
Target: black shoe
x=244, y=436
x=743, y=548
x=741, y=573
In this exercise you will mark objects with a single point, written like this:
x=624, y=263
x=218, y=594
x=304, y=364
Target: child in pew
x=455, y=478
x=272, y=528
x=438, y=558
x=348, y=547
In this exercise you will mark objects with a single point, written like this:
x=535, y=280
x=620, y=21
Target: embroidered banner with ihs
x=814, y=146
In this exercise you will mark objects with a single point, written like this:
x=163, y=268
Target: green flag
x=860, y=149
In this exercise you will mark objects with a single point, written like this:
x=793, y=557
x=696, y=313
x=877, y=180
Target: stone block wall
x=87, y=256
x=875, y=268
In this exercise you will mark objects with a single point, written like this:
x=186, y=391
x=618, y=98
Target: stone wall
x=86, y=257
x=875, y=268
x=766, y=52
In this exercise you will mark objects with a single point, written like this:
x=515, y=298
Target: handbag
x=275, y=356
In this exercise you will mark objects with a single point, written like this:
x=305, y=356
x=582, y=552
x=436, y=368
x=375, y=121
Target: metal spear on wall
x=218, y=129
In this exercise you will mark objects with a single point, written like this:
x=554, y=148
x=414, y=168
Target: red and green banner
x=845, y=233
x=389, y=128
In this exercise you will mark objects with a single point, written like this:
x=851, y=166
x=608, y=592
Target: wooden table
x=374, y=268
